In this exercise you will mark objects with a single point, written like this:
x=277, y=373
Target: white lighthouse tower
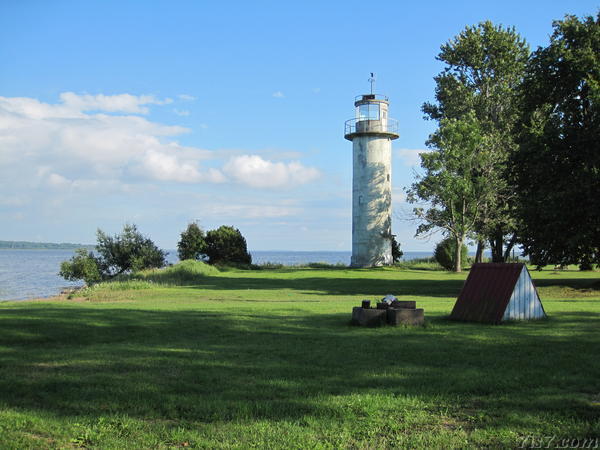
x=371, y=133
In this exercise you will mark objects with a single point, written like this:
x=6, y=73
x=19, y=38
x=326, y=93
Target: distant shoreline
x=28, y=245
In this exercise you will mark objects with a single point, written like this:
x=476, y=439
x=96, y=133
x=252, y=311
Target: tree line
x=515, y=157
x=27, y=245
x=130, y=251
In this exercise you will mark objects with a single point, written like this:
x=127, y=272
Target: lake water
x=34, y=273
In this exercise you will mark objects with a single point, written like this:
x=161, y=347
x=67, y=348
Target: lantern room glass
x=368, y=111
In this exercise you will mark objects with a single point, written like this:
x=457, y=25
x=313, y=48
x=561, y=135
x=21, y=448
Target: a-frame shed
x=494, y=293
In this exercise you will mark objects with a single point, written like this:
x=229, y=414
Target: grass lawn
x=267, y=358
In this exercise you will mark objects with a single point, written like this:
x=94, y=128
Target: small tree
x=396, y=252
x=121, y=253
x=226, y=245
x=192, y=244
x=445, y=254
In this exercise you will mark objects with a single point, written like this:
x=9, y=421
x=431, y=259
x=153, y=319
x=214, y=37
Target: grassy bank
x=195, y=357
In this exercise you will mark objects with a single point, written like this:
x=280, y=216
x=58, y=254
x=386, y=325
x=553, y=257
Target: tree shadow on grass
x=340, y=286
x=240, y=364
x=586, y=284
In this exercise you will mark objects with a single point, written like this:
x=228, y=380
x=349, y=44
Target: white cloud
x=255, y=171
x=58, y=181
x=74, y=106
x=186, y=97
x=126, y=103
x=181, y=112
x=167, y=167
x=398, y=195
x=278, y=94
x=410, y=156
x=248, y=211
x=61, y=142
x=14, y=200
x=65, y=146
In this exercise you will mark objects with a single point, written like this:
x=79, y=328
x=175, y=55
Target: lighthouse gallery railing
x=371, y=126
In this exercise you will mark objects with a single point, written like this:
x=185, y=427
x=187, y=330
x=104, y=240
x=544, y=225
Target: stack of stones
x=394, y=312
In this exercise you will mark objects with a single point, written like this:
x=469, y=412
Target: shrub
x=82, y=266
x=127, y=251
x=226, y=245
x=445, y=251
x=396, y=252
x=324, y=265
x=119, y=254
x=268, y=265
x=419, y=264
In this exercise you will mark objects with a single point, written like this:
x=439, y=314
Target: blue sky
x=164, y=112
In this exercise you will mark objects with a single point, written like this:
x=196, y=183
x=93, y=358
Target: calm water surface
x=31, y=273
x=34, y=273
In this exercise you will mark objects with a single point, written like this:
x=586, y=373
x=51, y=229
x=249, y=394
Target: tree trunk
x=509, y=247
x=480, y=249
x=457, y=261
x=496, y=244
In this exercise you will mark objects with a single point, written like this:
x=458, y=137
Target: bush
x=192, y=244
x=419, y=264
x=126, y=252
x=445, y=251
x=226, y=245
x=83, y=266
x=122, y=253
x=268, y=265
x=324, y=265
x=396, y=252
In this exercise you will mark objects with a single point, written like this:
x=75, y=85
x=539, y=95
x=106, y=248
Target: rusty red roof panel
x=486, y=292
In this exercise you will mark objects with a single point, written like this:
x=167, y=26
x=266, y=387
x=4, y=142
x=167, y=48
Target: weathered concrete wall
x=371, y=201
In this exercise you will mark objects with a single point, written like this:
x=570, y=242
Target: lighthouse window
x=368, y=112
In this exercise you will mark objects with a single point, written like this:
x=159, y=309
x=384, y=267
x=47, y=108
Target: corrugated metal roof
x=487, y=292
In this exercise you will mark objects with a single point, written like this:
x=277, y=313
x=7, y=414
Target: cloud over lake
x=105, y=138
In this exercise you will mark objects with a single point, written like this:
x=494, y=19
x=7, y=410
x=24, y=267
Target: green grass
x=187, y=272
x=266, y=358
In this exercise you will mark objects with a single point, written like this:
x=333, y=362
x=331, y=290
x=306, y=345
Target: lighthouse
x=371, y=132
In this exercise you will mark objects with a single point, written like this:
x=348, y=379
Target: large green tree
x=226, y=245
x=484, y=65
x=454, y=185
x=558, y=165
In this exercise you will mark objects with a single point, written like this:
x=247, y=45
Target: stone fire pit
x=389, y=311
